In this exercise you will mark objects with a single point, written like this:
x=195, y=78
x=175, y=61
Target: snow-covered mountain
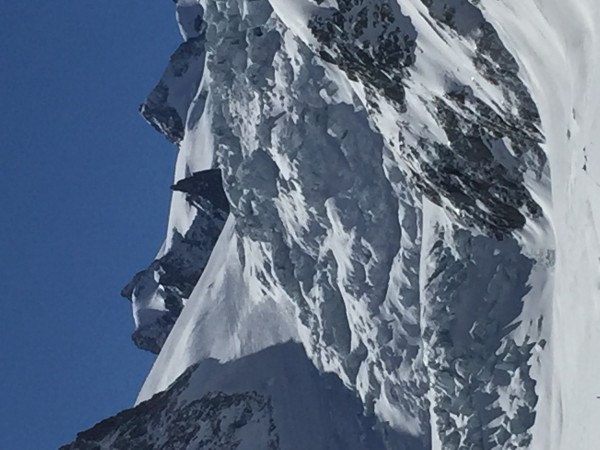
x=382, y=232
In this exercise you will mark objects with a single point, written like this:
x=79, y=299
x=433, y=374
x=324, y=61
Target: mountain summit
x=383, y=231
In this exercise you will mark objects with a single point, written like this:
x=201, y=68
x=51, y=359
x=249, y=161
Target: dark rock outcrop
x=166, y=106
x=170, y=279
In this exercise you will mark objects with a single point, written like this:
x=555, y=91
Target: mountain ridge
x=409, y=191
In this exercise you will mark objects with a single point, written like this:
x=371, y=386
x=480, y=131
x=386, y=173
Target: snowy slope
x=559, y=57
x=224, y=319
x=412, y=192
x=271, y=399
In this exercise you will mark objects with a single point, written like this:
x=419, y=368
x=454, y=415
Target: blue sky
x=84, y=197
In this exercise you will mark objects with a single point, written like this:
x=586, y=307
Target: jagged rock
x=159, y=292
x=204, y=186
x=166, y=107
x=206, y=408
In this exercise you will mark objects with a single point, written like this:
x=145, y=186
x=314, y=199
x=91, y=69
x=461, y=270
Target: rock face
x=159, y=292
x=371, y=179
x=316, y=178
x=209, y=407
x=166, y=106
x=215, y=421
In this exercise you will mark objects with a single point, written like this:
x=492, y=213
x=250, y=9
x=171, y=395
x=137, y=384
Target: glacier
x=383, y=229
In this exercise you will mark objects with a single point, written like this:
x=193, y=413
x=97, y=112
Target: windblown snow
x=384, y=231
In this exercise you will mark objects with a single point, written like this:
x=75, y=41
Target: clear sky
x=84, y=195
